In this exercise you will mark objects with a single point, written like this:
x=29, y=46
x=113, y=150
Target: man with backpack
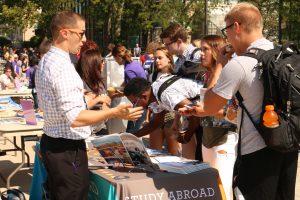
x=187, y=65
x=260, y=172
x=175, y=38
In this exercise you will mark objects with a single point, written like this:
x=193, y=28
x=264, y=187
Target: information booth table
x=23, y=131
x=16, y=93
x=135, y=184
x=121, y=184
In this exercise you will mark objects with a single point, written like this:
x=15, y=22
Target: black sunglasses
x=224, y=30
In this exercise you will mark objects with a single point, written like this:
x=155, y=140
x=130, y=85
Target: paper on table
x=28, y=111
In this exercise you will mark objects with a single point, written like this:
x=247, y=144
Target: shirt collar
x=61, y=52
x=187, y=50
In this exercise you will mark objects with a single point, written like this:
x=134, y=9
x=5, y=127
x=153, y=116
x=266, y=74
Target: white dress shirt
x=61, y=95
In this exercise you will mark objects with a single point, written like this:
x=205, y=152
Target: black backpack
x=280, y=73
x=191, y=69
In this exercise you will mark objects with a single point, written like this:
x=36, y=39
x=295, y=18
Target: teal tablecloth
x=100, y=189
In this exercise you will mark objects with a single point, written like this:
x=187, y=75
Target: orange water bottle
x=270, y=117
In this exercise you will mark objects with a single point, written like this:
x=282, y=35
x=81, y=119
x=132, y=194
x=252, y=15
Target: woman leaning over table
x=132, y=69
x=90, y=67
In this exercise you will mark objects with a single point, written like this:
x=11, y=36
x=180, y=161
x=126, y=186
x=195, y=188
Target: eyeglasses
x=169, y=43
x=224, y=30
x=79, y=34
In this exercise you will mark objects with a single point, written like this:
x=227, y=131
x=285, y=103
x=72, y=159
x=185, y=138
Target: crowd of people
x=166, y=90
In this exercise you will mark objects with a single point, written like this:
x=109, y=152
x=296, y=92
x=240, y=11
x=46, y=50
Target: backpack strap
x=241, y=104
x=238, y=160
x=154, y=76
x=193, y=53
x=165, y=85
x=255, y=53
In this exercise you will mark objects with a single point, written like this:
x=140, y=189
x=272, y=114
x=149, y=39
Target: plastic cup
x=202, y=94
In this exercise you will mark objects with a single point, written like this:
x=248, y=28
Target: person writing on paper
x=6, y=79
x=67, y=121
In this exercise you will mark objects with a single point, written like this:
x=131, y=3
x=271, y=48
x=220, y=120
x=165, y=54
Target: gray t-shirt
x=240, y=74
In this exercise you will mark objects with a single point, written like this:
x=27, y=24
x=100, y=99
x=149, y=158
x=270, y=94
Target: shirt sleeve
x=230, y=78
x=130, y=74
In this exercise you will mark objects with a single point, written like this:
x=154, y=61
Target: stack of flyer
x=179, y=165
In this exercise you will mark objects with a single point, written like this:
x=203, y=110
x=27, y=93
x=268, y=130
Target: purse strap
x=165, y=85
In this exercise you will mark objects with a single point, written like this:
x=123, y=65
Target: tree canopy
x=116, y=20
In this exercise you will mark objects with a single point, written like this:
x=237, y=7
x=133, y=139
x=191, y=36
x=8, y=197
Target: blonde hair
x=215, y=42
x=247, y=15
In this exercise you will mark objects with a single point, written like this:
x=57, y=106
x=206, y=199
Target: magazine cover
x=112, y=149
x=136, y=149
x=122, y=148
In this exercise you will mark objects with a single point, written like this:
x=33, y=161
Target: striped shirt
x=60, y=94
x=186, y=56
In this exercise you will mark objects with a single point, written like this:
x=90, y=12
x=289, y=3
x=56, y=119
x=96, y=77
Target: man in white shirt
x=6, y=79
x=263, y=173
x=67, y=121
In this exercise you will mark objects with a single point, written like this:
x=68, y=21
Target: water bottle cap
x=269, y=107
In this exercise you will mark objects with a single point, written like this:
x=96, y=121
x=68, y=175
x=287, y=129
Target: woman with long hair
x=132, y=69
x=90, y=67
x=219, y=135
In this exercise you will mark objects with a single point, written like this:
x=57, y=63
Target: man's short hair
x=175, y=31
x=136, y=87
x=247, y=15
x=64, y=19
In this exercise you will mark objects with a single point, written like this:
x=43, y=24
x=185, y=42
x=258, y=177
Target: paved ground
x=22, y=179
